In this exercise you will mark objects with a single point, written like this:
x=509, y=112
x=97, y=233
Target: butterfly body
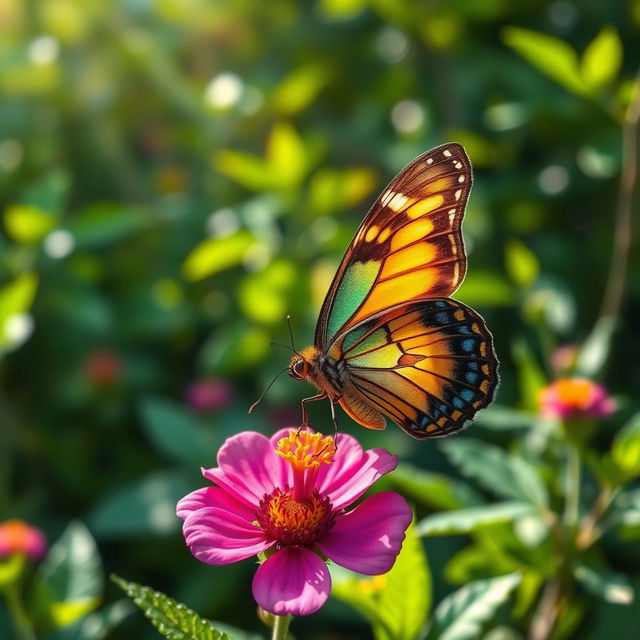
x=389, y=341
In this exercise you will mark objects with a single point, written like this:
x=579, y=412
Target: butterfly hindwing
x=408, y=247
x=428, y=365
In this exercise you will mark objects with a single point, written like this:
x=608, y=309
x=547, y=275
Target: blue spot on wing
x=468, y=345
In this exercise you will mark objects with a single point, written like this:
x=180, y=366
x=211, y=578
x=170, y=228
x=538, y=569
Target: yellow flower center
x=574, y=392
x=305, y=450
x=292, y=521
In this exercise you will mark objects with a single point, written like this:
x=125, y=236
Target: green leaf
x=177, y=433
x=433, y=489
x=246, y=169
x=461, y=615
x=96, y=625
x=522, y=264
x=396, y=603
x=625, y=450
x=172, y=620
x=471, y=519
x=507, y=475
x=27, y=224
x=72, y=575
x=552, y=56
x=602, y=59
x=107, y=223
x=502, y=418
x=610, y=586
x=145, y=507
x=216, y=254
x=286, y=155
x=596, y=348
x=486, y=288
x=236, y=347
x=531, y=377
x=16, y=299
x=298, y=90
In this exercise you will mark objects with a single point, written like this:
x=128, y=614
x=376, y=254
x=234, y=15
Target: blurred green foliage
x=178, y=175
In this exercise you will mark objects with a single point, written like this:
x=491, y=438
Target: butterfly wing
x=409, y=246
x=428, y=365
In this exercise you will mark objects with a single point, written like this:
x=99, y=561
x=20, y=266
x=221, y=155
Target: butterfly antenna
x=293, y=346
x=264, y=393
x=280, y=344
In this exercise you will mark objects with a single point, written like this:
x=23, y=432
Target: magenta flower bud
x=209, y=394
x=568, y=398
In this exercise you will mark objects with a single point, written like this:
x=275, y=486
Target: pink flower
x=17, y=536
x=209, y=394
x=575, y=398
x=285, y=497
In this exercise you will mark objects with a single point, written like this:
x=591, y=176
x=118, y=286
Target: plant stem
x=281, y=627
x=547, y=612
x=572, y=498
x=19, y=618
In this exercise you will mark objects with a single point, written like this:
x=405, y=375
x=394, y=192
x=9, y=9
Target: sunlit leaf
x=549, y=54
x=286, y=155
x=216, y=254
x=342, y=9
x=602, y=59
x=522, y=264
x=263, y=295
x=173, y=620
x=507, y=475
x=471, y=519
x=433, y=489
x=144, y=507
x=72, y=575
x=609, y=585
x=486, y=288
x=461, y=615
x=625, y=450
x=300, y=88
x=96, y=625
x=236, y=347
x=27, y=224
x=246, y=169
x=333, y=190
x=596, y=348
x=396, y=603
x=16, y=299
x=531, y=377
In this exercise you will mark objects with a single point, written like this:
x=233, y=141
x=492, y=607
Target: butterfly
x=389, y=340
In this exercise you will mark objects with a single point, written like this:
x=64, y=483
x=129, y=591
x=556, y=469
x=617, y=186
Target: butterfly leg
x=305, y=413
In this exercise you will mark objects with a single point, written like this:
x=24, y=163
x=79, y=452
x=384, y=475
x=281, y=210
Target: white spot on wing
x=461, y=179
x=396, y=201
x=447, y=153
x=458, y=165
x=458, y=193
x=452, y=216
x=429, y=160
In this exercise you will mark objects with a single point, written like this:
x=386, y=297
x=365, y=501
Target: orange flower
x=575, y=397
x=17, y=536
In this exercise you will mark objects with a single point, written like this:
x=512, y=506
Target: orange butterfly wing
x=408, y=247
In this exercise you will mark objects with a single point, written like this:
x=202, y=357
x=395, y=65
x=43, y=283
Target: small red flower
x=575, y=398
x=17, y=536
x=209, y=394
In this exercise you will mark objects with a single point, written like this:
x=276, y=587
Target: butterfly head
x=298, y=367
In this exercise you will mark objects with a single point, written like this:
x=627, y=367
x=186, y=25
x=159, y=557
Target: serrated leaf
x=471, y=519
x=507, y=475
x=549, y=54
x=72, y=575
x=433, y=489
x=610, y=586
x=602, y=59
x=216, y=254
x=173, y=620
x=461, y=615
x=396, y=603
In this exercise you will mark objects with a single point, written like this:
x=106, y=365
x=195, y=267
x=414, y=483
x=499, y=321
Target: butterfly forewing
x=408, y=247
x=428, y=365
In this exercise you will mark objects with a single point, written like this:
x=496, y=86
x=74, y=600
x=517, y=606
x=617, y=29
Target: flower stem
x=572, y=503
x=19, y=618
x=281, y=627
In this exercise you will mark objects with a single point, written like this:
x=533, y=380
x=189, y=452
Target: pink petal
x=216, y=536
x=212, y=497
x=368, y=539
x=352, y=471
x=249, y=467
x=292, y=581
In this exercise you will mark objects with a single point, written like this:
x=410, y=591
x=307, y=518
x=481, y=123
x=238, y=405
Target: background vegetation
x=177, y=175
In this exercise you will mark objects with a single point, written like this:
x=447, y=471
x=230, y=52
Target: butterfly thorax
x=322, y=371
